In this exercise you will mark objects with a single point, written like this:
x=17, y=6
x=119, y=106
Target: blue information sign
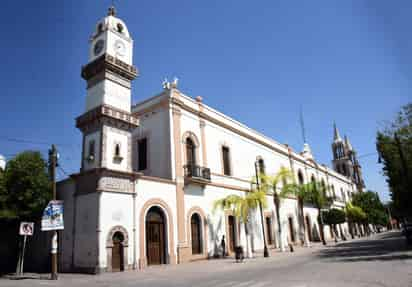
x=53, y=216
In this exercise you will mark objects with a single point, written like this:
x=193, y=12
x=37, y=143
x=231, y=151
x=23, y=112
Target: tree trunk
x=306, y=242
x=280, y=237
x=249, y=253
x=351, y=229
x=321, y=231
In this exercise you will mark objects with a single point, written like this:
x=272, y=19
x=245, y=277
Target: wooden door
x=308, y=228
x=196, y=234
x=291, y=230
x=155, y=243
x=117, y=256
x=232, y=234
x=269, y=231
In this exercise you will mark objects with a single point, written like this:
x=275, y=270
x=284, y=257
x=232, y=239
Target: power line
x=17, y=140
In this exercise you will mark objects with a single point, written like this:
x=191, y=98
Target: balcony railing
x=197, y=172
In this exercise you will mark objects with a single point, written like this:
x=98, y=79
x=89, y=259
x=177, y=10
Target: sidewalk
x=202, y=266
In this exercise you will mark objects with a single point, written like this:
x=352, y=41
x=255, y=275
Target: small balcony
x=197, y=174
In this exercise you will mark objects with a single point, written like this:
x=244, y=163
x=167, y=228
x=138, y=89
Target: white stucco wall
x=116, y=209
x=113, y=137
x=85, y=243
x=155, y=126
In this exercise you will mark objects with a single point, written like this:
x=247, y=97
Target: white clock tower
x=107, y=122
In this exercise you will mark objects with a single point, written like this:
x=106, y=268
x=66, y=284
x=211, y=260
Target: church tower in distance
x=107, y=122
x=344, y=159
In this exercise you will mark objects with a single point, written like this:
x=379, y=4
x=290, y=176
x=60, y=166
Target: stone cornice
x=109, y=63
x=106, y=112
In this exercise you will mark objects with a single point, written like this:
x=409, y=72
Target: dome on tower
x=2, y=162
x=111, y=22
x=307, y=152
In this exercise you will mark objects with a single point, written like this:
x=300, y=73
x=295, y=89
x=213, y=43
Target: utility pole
x=54, y=244
x=265, y=248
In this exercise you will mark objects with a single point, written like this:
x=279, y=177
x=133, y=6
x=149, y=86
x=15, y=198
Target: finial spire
x=348, y=144
x=112, y=10
x=336, y=135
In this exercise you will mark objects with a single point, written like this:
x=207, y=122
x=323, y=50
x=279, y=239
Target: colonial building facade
x=151, y=172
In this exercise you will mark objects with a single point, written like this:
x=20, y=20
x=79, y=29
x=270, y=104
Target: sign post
x=26, y=229
x=52, y=220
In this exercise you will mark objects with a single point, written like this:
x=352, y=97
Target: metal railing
x=195, y=171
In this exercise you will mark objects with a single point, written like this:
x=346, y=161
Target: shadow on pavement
x=384, y=247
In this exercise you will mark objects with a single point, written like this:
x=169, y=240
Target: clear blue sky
x=257, y=61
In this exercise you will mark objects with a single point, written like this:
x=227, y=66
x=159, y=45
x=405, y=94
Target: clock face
x=120, y=48
x=98, y=47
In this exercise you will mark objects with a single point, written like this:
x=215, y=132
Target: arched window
x=344, y=170
x=322, y=183
x=312, y=178
x=261, y=165
x=119, y=27
x=190, y=152
x=196, y=232
x=300, y=177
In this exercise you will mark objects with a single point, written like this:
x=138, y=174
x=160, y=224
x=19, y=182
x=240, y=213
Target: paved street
x=381, y=260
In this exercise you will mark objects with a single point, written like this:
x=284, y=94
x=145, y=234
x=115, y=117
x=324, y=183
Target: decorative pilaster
x=182, y=246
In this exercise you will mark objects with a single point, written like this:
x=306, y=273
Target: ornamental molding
x=109, y=115
x=109, y=63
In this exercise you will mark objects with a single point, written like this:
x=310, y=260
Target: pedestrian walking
x=223, y=245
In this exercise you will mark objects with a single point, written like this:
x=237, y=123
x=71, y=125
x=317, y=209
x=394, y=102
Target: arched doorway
x=156, y=236
x=117, y=252
x=308, y=227
x=232, y=233
x=117, y=244
x=196, y=233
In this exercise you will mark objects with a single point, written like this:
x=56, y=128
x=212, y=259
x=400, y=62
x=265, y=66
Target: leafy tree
x=333, y=217
x=27, y=187
x=370, y=203
x=270, y=184
x=3, y=194
x=355, y=215
x=394, y=145
x=242, y=206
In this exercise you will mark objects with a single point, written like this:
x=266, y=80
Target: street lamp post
x=265, y=247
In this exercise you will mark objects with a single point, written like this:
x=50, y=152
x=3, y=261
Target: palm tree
x=317, y=194
x=242, y=208
x=301, y=192
x=270, y=184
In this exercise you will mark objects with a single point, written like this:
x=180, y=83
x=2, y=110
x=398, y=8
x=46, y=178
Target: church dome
x=2, y=162
x=111, y=22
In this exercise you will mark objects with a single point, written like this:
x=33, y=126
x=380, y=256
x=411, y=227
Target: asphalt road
x=381, y=260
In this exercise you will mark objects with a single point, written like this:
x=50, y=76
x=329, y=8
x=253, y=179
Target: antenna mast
x=302, y=125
